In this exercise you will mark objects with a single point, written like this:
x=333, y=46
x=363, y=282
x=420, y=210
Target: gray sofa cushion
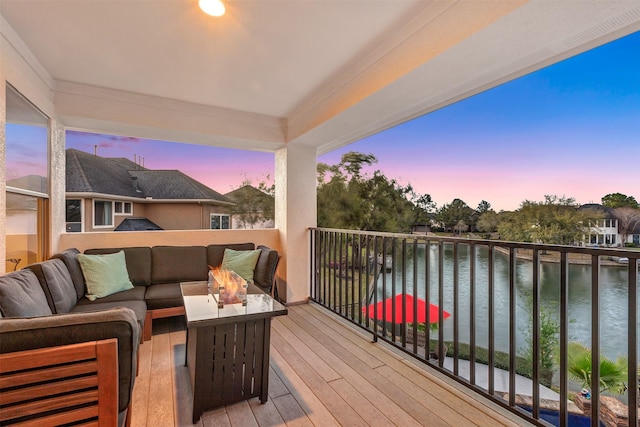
x=164, y=295
x=172, y=264
x=70, y=259
x=22, y=296
x=215, y=253
x=57, y=284
x=135, y=294
x=138, y=262
x=138, y=307
x=266, y=268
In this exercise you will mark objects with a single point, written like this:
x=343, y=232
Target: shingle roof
x=597, y=207
x=137, y=224
x=88, y=173
x=31, y=182
x=248, y=191
x=254, y=198
x=173, y=184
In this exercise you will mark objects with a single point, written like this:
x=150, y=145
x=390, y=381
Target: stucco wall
x=110, y=239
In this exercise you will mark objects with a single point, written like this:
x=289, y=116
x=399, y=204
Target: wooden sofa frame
x=60, y=385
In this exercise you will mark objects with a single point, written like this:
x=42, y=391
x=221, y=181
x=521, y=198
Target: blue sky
x=572, y=129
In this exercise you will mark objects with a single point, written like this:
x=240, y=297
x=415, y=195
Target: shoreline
x=579, y=259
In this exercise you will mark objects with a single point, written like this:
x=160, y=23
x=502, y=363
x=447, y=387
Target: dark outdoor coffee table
x=227, y=348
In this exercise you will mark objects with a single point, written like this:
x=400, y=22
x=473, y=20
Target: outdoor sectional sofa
x=44, y=305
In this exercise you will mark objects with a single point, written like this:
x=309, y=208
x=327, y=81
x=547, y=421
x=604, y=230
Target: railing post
x=491, y=313
x=439, y=344
x=512, y=326
x=535, y=333
x=414, y=324
x=595, y=341
x=456, y=311
x=633, y=343
x=472, y=315
x=564, y=338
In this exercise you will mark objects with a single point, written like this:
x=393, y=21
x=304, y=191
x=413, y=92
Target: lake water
x=613, y=297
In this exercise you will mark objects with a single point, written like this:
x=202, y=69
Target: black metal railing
x=509, y=307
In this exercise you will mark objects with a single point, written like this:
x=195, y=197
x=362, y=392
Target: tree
x=488, y=222
x=612, y=374
x=460, y=227
x=424, y=208
x=449, y=215
x=628, y=220
x=483, y=207
x=548, y=341
x=349, y=199
x=556, y=220
x=252, y=205
x=618, y=200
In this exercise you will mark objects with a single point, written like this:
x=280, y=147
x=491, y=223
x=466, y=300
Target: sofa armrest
x=18, y=334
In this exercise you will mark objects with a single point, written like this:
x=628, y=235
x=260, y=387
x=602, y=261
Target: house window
x=219, y=222
x=102, y=213
x=123, y=208
x=74, y=216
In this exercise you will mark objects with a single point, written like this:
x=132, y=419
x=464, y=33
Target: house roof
x=88, y=173
x=608, y=212
x=272, y=73
x=137, y=224
x=254, y=199
x=30, y=182
x=248, y=191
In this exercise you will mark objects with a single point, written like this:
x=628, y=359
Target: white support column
x=295, y=179
x=57, y=179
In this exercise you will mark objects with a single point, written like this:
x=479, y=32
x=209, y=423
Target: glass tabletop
x=200, y=305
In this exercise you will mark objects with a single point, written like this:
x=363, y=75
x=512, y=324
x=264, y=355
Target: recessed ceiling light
x=212, y=7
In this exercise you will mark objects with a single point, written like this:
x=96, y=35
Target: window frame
x=123, y=206
x=73, y=222
x=34, y=117
x=94, y=214
x=220, y=217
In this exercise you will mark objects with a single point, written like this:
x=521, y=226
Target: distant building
x=253, y=208
x=606, y=231
x=104, y=194
x=420, y=228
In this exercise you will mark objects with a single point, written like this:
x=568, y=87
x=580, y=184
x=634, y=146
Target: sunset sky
x=572, y=129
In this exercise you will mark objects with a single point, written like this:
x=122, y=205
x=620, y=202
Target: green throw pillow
x=241, y=262
x=104, y=274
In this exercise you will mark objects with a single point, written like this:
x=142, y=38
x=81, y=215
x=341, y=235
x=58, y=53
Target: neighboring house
x=253, y=208
x=117, y=194
x=606, y=232
x=421, y=229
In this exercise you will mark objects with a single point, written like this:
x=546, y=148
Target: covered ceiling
x=274, y=72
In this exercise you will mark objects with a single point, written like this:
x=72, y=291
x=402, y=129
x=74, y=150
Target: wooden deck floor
x=323, y=373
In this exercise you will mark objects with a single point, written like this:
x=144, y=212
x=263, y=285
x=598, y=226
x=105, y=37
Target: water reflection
x=613, y=304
